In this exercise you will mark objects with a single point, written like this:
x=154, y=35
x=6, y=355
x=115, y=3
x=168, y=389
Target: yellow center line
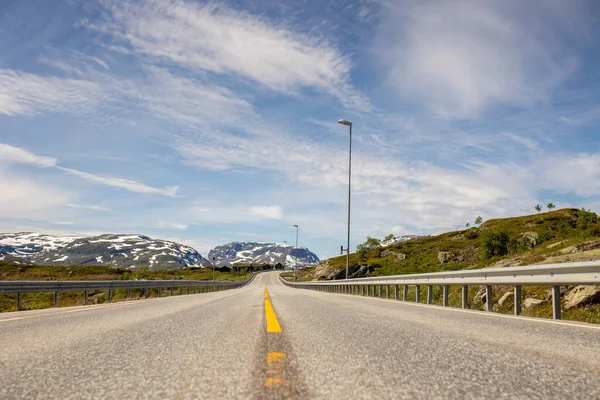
x=272, y=322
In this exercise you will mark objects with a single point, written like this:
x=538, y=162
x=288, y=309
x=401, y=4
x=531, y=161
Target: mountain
x=401, y=239
x=125, y=251
x=262, y=253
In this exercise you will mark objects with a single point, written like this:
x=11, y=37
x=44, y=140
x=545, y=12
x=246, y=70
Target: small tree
x=495, y=243
x=389, y=238
x=538, y=208
x=478, y=221
x=370, y=243
x=550, y=206
x=467, y=225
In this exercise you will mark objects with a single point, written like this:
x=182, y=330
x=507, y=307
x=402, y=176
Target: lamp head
x=344, y=122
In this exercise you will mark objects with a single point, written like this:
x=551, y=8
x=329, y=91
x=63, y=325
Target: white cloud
x=16, y=155
x=63, y=223
x=88, y=207
x=27, y=94
x=579, y=175
x=126, y=184
x=171, y=226
x=463, y=56
x=269, y=212
x=221, y=40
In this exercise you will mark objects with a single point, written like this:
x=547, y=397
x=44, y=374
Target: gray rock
x=530, y=303
x=529, y=239
x=445, y=257
x=390, y=253
x=508, y=296
x=581, y=295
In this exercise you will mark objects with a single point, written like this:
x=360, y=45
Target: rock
x=582, y=295
x=391, y=253
x=508, y=296
x=530, y=303
x=445, y=257
x=480, y=295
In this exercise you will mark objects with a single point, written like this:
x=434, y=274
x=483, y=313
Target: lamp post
x=348, y=124
x=296, y=256
x=213, y=269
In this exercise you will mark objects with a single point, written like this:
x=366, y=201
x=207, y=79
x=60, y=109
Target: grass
x=34, y=301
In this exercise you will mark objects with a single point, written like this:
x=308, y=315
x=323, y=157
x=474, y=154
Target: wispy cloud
x=16, y=155
x=87, y=207
x=460, y=57
x=218, y=39
x=171, y=226
x=27, y=94
x=121, y=183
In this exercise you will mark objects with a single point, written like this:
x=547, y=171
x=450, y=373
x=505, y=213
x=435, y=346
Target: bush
x=472, y=234
x=594, y=230
x=545, y=236
x=586, y=219
x=495, y=243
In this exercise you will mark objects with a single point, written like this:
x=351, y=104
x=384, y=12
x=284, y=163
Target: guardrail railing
x=194, y=287
x=554, y=275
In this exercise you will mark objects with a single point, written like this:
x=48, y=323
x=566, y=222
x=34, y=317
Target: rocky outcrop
x=529, y=239
x=582, y=295
x=445, y=257
x=390, y=253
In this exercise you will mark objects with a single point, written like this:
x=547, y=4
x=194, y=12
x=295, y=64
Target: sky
x=212, y=122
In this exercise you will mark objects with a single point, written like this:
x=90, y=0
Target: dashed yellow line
x=272, y=321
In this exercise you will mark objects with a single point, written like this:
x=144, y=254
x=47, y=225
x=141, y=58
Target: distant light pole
x=349, y=124
x=213, y=268
x=296, y=256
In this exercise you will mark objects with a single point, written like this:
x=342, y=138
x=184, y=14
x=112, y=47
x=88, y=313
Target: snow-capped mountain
x=262, y=253
x=125, y=251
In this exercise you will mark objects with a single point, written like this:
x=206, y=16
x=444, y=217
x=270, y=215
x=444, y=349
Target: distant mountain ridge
x=117, y=250
x=262, y=253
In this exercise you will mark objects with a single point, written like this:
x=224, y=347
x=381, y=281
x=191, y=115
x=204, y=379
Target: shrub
x=495, y=243
x=586, y=219
x=472, y=234
x=594, y=230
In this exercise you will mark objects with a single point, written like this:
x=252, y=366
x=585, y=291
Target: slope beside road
x=270, y=341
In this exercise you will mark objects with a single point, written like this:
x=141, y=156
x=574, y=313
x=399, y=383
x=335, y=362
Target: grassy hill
x=552, y=237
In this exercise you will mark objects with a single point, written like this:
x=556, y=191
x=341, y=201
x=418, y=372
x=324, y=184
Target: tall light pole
x=348, y=124
x=296, y=256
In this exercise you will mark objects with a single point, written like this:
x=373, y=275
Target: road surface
x=289, y=343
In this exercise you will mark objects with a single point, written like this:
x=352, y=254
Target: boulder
x=480, y=295
x=391, y=253
x=582, y=295
x=530, y=303
x=508, y=296
x=445, y=257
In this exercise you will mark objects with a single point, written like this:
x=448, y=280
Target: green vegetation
x=32, y=301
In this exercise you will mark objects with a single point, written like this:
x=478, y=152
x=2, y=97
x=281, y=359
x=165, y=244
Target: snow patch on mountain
x=262, y=253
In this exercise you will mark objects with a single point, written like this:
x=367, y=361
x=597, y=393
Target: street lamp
x=349, y=124
x=296, y=256
x=213, y=269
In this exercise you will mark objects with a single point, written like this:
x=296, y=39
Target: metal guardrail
x=555, y=275
x=194, y=287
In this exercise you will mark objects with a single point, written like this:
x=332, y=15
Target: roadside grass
x=35, y=301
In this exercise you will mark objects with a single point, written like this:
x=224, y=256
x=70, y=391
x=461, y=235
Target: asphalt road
x=304, y=344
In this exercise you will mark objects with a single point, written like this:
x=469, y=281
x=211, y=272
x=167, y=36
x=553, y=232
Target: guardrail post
x=181, y=290
x=379, y=291
x=56, y=303
x=85, y=297
x=465, y=296
x=556, y=302
x=418, y=294
x=488, y=298
x=109, y=295
x=387, y=291
x=19, y=301
x=445, y=302
x=145, y=292
x=405, y=293
x=396, y=296
x=159, y=292
x=429, y=294
x=517, y=300
x=129, y=293
x=171, y=290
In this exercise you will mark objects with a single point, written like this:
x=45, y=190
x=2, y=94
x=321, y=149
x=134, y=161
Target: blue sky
x=211, y=122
